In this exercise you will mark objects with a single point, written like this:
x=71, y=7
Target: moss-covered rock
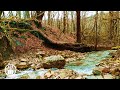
x=115, y=48
x=25, y=76
x=38, y=77
x=2, y=75
x=96, y=72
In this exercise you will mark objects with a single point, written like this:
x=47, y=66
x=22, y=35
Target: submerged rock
x=90, y=77
x=75, y=63
x=38, y=77
x=25, y=76
x=61, y=74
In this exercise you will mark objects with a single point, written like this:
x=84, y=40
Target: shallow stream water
x=90, y=61
x=88, y=64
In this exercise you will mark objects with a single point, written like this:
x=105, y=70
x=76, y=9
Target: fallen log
x=78, y=47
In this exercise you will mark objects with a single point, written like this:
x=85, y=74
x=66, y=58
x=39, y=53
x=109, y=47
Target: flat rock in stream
x=70, y=59
x=22, y=65
x=54, y=61
x=54, y=58
x=23, y=60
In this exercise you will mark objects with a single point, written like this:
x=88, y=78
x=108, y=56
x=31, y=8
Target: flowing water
x=90, y=61
x=88, y=64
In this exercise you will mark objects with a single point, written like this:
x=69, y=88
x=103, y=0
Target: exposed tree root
x=78, y=47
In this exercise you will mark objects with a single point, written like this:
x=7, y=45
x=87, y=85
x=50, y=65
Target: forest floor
x=34, y=51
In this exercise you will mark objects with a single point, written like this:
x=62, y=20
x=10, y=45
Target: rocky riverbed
x=75, y=66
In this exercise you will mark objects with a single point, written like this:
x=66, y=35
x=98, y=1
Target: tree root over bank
x=78, y=47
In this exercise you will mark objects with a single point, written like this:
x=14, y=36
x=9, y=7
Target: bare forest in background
x=102, y=28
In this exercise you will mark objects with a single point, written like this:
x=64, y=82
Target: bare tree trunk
x=96, y=30
x=83, y=25
x=10, y=13
x=39, y=17
x=67, y=22
x=18, y=14
x=72, y=22
x=1, y=14
x=117, y=27
x=111, y=28
x=78, y=34
x=118, y=32
x=64, y=21
x=53, y=19
x=33, y=14
x=27, y=14
x=58, y=20
x=49, y=17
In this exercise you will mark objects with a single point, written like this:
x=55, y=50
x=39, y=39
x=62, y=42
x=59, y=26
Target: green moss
x=25, y=76
x=37, y=24
x=38, y=77
x=116, y=48
x=96, y=72
x=13, y=24
x=3, y=75
x=23, y=37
